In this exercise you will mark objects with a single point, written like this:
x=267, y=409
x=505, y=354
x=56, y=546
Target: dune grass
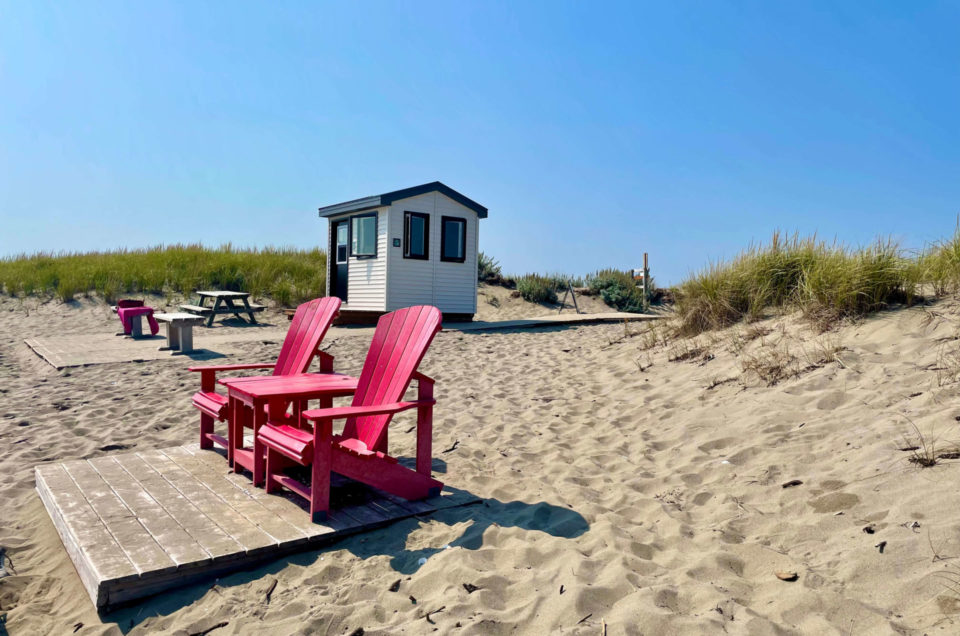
x=939, y=266
x=826, y=281
x=286, y=275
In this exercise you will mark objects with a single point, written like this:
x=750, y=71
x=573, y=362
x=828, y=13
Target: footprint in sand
x=717, y=444
x=702, y=498
x=834, y=502
x=831, y=401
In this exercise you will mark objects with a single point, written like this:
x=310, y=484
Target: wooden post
x=569, y=291
x=646, y=282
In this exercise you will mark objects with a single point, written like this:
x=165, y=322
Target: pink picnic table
x=251, y=398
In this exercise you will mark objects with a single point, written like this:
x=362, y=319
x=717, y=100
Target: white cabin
x=416, y=246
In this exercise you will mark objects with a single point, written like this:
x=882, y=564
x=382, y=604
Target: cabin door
x=338, y=271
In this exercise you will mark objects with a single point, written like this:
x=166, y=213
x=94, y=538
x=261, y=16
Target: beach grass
x=826, y=281
x=939, y=265
x=286, y=275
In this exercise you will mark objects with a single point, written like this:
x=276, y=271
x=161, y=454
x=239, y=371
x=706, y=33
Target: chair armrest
x=422, y=377
x=233, y=367
x=341, y=412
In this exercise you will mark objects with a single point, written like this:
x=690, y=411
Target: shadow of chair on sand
x=390, y=540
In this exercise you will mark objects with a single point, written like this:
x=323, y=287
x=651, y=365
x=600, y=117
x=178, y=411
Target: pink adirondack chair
x=128, y=309
x=398, y=346
x=309, y=325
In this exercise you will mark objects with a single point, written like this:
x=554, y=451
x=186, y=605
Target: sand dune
x=627, y=483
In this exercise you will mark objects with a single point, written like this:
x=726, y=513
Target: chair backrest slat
x=399, y=344
x=307, y=329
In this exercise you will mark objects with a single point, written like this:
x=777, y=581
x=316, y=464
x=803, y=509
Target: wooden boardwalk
x=79, y=350
x=549, y=321
x=135, y=524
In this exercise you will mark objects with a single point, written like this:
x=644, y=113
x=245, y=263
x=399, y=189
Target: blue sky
x=592, y=131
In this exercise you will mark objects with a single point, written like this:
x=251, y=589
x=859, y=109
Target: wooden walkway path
x=548, y=321
x=135, y=524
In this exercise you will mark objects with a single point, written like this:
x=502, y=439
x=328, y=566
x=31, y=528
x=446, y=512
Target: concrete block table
x=179, y=330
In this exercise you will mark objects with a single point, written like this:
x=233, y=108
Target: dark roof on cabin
x=380, y=200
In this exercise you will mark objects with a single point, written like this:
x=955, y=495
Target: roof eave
x=357, y=205
x=380, y=200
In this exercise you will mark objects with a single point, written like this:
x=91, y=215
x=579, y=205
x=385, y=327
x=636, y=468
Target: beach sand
x=627, y=483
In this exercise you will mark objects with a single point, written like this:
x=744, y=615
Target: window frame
x=336, y=243
x=443, y=239
x=376, y=235
x=407, y=215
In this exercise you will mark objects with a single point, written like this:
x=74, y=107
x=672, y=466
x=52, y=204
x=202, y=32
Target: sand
x=622, y=489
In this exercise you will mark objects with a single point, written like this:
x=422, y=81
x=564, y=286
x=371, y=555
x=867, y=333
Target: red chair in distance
x=307, y=329
x=360, y=453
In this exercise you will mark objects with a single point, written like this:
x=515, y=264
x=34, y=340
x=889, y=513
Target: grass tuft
x=827, y=281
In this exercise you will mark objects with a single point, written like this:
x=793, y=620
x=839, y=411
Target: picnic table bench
x=223, y=303
x=179, y=330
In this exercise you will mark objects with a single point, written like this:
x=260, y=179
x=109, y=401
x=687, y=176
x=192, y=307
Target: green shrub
x=537, y=288
x=618, y=290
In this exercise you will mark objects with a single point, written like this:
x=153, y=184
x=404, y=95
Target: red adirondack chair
x=398, y=346
x=309, y=325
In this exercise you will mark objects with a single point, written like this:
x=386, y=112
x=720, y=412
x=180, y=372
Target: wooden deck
x=136, y=524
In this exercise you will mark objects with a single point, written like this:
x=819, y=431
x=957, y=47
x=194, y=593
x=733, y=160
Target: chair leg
x=272, y=460
x=320, y=477
x=425, y=429
x=259, y=419
x=241, y=416
x=206, y=428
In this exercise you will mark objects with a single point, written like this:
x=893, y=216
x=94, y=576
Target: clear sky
x=594, y=131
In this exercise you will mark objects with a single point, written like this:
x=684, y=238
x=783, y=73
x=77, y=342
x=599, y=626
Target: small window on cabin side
x=363, y=233
x=453, y=239
x=416, y=235
x=342, y=243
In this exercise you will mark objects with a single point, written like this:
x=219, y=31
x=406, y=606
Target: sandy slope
x=499, y=303
x=621, y=488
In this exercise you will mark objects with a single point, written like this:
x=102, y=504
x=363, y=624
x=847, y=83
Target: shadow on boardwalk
x=390, y=540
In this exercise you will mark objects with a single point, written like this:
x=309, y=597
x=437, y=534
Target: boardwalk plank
x=281, y=506
x=240, y=500
x=194, y=521
x=140, y=547
x=248, y=535
x=166, y=531
x=95, y=553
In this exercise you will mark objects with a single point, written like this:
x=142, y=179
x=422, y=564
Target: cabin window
x=453, y=239
x=363, y=235
x=342, y=243
x=416, y=235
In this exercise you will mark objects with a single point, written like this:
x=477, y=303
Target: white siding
x=452, y=287
x=367, y=278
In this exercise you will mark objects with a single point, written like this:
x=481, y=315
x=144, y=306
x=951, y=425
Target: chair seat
x=297, y=444
x=215, y=404
x=212, y=403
